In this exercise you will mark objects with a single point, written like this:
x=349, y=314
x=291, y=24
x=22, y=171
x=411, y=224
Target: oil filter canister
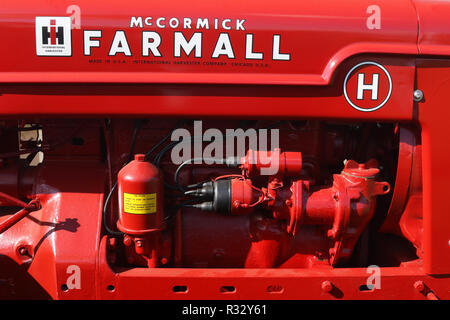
x=140, y=197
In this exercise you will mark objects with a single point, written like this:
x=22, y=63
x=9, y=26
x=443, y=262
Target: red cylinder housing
x=140, y=197
x=283, y=163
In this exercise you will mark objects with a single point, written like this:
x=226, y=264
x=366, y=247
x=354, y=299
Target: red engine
x=314, y=207
x=246, y=151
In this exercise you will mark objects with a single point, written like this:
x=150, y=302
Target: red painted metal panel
x=254, y=284
x=69, y=227
x=434, y=26
x=433, y=78
x=234, y=101
x=318, y=37
x=64, y=233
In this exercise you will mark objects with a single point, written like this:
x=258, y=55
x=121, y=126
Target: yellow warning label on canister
x=139, y=203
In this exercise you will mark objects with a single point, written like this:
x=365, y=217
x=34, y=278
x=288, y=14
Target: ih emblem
x=367, y=86
x=54, y=36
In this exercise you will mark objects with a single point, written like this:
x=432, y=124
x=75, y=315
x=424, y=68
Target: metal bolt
x=23, y=251
x=112, y=242
x=127, y=241
x=327, y=286
x=419, y=285
x=418, y=95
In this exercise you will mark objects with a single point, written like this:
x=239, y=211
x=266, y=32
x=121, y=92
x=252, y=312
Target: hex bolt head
x=127, y=241
x=23, y=251
x=419, y=285
x=112, y=242
x=327, y=286
x=418, y=95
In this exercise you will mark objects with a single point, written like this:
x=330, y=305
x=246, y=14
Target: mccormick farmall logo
x=185, y=37
x=54, y=36
x=184, y=42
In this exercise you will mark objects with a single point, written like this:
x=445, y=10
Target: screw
x=418, y=95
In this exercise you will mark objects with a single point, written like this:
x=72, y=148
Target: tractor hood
x=197, y=41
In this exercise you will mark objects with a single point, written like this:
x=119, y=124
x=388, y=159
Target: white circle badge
x=367, y=86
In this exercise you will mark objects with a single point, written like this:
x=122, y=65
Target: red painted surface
x=303, y=26
x=140, y=178
x=434, y=78
x=433, y=37
x=289, y=163
x=196, y=101
x=42, y=254
x=345, y=208
x=141, y=216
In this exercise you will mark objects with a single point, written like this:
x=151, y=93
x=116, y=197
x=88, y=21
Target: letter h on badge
x=373, y=87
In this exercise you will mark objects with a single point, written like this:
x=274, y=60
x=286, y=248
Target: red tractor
x=224, y=150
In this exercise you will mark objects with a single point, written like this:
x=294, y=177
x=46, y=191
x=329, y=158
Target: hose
x=137, y=126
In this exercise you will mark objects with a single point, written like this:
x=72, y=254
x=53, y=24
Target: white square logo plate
x=54, y=36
